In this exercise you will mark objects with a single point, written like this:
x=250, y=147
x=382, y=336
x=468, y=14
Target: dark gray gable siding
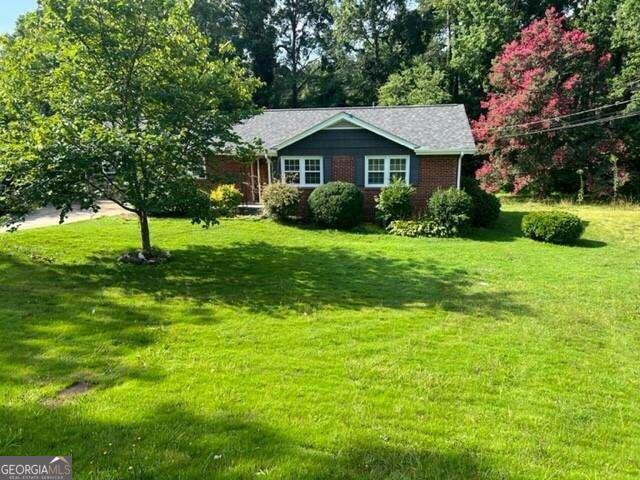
x=353, y=142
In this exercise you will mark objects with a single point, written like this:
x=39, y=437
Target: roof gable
x=344, y=117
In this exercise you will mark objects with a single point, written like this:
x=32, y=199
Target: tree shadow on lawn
x=170, y=442
x=61, y=329
x=508, y=229
x=66, y=324
x=277, y=280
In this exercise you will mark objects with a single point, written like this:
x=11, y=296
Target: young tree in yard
x=117, y=100
x=548, y=71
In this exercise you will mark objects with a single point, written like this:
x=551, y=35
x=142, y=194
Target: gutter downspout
x=459, y=170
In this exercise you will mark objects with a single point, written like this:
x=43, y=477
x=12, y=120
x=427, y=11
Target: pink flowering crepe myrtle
x=547, y=71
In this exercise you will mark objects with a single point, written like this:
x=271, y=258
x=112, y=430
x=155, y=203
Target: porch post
x=266, y=157
x=253, y=183
x=259, y=184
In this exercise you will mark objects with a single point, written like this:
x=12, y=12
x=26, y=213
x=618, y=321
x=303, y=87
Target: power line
x=550, y=119
x=573, y=125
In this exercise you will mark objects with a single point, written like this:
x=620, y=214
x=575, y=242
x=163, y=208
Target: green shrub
x=417, y=228
x=552, y=226
x=226, y=199
x=486, y=207
x=336, y=205
x=280, y=200
x=175, y=203
x=394, y=202
x=451, y=210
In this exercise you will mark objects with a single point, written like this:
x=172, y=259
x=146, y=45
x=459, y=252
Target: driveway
x=49, y=216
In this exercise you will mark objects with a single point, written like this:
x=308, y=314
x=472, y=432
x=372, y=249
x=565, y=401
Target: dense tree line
x=342, y=52
x=523, y=68
x=390, y=52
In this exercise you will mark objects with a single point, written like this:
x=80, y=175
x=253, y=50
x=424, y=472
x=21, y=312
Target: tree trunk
x=144, y=231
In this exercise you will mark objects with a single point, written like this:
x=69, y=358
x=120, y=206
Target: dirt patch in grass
x=73, y=390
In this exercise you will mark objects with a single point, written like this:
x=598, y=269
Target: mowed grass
x=270, y=351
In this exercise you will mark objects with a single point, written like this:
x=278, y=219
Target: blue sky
x=10, y=10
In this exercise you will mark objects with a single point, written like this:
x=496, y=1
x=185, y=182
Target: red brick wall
x=342, y=169
x=435, y=172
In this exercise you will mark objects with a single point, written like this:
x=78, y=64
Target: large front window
x=302, y=171
x=382, y=170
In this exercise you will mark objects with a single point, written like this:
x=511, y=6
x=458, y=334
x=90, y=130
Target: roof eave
x=446, y=151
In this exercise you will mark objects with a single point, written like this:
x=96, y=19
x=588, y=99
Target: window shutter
x=326, y=169
x=414, y=170
x=359, y=173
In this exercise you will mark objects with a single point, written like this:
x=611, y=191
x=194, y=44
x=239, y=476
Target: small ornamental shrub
x=451, y=210
x=226, y=199
x=394, y=202
x=552, y=226
x=280, y=200
x=417, y=228
x=336, y=205
x=486, y=206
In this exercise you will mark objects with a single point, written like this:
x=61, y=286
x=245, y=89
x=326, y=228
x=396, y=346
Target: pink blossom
x=571, y=82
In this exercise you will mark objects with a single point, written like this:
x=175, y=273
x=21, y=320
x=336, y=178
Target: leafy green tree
x=117, y=100
x=627, y=37
x=301, y=24
x=372, y=40
x=418, y=84
x=250, y=26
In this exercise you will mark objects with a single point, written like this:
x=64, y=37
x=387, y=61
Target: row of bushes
x=449, y=212
x=339, y=205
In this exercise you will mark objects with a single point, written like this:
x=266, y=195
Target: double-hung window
x=382, y=170
x=302, y=171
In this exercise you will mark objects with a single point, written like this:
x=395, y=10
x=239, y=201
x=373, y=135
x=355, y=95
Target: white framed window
x=381, y=170
x=302, y=171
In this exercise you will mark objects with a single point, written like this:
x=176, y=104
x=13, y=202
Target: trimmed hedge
x=336, y=205
x=280, y=200
x=394, y=202
x=486, y=207
x=450, y=209
x=552, y=226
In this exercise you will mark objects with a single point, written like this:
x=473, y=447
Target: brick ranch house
x=368, y=146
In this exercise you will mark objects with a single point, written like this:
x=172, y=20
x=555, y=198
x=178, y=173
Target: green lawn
x=269, y=351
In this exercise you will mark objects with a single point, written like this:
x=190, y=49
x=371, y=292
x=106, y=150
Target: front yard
x=269, y=351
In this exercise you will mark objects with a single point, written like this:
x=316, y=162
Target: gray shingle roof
x=435, y=127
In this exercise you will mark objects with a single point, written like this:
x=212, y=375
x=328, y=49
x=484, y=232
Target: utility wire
x=551, y=119
x=574, y=125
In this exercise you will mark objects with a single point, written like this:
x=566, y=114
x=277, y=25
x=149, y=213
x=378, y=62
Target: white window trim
x=303, y=167
x=202, y=174
x=387, y=170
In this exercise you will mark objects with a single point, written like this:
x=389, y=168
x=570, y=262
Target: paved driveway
x=46, y=217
